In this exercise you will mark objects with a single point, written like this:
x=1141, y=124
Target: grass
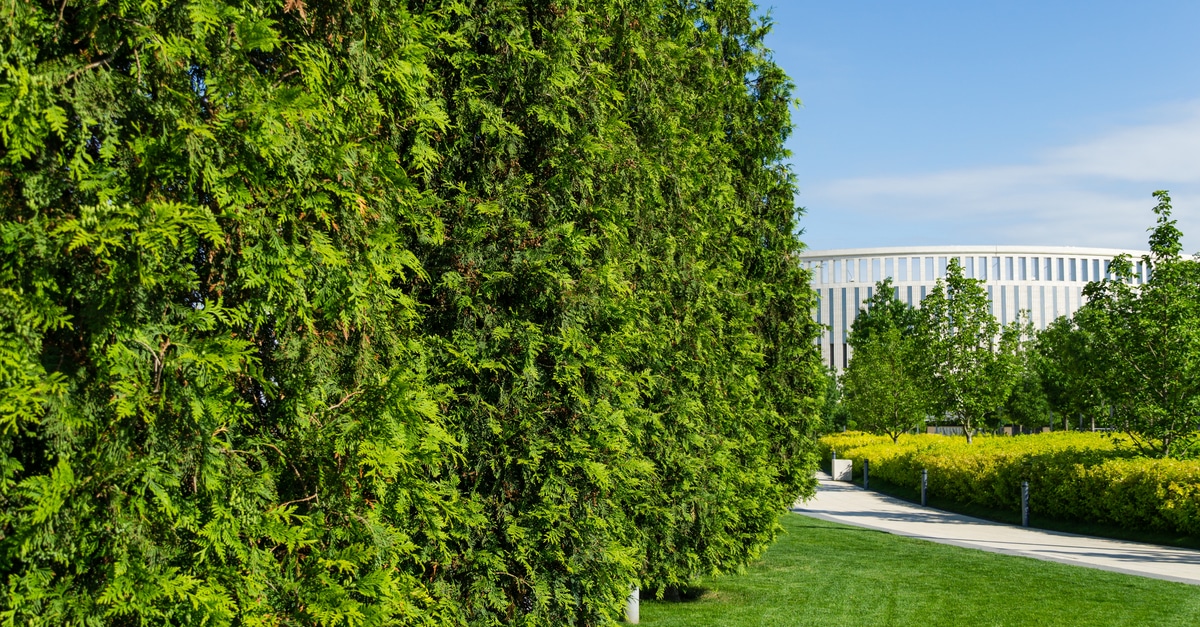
x=823, y=573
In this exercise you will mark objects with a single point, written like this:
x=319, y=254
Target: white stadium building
x=1045, y=281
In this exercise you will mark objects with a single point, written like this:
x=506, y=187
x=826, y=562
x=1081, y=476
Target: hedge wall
x=1080, y=476
x=392, y=312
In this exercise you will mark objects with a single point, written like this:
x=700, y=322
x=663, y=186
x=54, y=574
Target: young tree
x=881, y=312
x=881, y=389
x=833, y=411
x=1065, y=365
x=883, y=392
x=969, y=360
x=1146, y=340
x=1028, y=405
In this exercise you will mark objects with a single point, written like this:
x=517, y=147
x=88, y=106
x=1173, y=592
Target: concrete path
x=851, y=505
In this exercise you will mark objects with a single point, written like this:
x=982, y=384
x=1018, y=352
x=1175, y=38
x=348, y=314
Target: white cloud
x=1093, y=193
x=1168, y=151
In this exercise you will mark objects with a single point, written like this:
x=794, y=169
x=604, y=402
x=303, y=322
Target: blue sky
x=992, y=122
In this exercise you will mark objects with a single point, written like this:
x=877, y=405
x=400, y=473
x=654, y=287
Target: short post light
x=1024, y=503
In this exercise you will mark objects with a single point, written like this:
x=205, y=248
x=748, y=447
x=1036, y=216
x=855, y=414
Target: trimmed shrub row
x=1072, y=476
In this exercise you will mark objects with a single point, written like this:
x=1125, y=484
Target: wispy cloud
x=1093, y=193
x=1166, y=151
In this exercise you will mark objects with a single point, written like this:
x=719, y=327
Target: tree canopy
x=881, y=312
x=1028, y=404
x=1067, y=374
x=885, y=386
x=1145, y=341
x=970, y=359
x=884, y=391
x=1129, y=359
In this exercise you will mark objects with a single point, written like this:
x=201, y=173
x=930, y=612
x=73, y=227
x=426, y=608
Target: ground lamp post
x=1024, y=503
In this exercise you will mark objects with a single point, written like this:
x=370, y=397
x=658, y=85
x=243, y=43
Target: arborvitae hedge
x=356, y=313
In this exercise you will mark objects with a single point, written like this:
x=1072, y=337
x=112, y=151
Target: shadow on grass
x=673, y=594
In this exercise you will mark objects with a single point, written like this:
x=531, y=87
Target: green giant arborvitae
x=365, y=313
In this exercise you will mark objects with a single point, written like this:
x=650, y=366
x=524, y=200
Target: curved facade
x=1045, y=281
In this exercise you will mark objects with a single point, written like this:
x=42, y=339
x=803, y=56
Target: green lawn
x=822, y=573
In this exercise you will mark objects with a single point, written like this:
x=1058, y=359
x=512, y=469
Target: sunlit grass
x=823, y=573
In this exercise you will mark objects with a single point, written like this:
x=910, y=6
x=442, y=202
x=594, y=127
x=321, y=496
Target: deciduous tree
x=884, y=392
x=970, y=361
x=882, y=311
x=1067, y=369
x=1146, y=341
x=1028, y=404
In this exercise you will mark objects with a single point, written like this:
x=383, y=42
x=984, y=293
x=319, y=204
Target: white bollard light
x=632, y=607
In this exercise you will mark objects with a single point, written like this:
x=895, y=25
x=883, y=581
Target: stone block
x=843, y=470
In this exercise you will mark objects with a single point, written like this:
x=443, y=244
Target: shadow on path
x=851, y=505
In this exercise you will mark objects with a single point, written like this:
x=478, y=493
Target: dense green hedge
x=1072, y=475
x=356, y=313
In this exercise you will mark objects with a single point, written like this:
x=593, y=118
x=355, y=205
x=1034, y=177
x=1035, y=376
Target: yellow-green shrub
x=1072, y=475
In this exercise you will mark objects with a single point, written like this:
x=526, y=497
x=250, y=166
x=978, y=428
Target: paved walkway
x=851, y=505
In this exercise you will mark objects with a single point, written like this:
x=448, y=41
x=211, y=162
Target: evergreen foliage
x=359, y=313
